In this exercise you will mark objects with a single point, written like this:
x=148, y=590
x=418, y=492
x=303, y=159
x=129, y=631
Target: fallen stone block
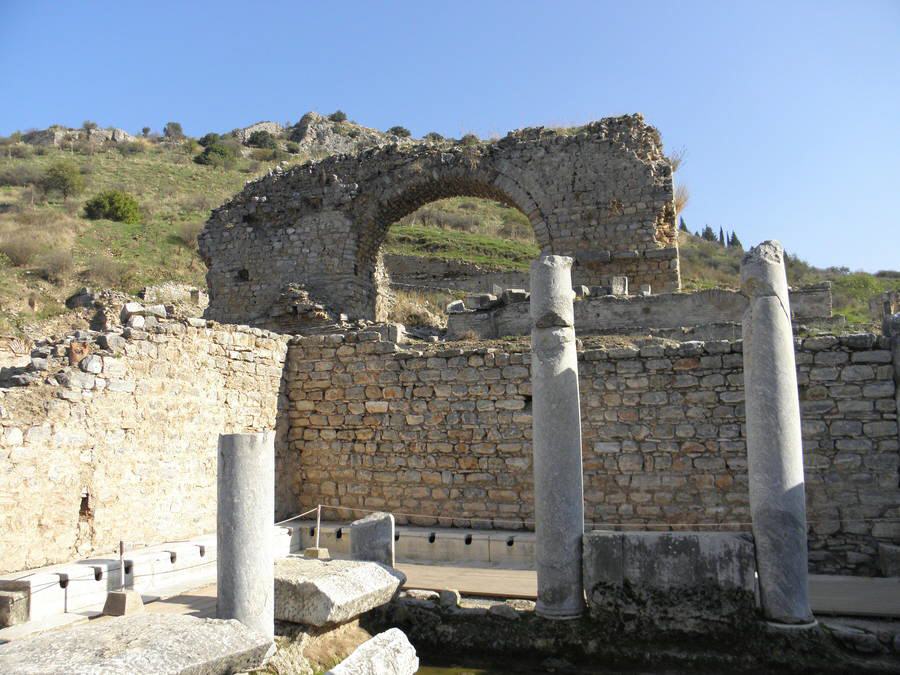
x=372, y=539
x=320, y=593
x=388, y=653
x=513, y=295
x=142, y=643
x=130, y=309
x=456, y=307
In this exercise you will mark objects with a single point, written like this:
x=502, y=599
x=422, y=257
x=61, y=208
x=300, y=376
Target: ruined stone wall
x=123, y=446
x=446, y=433
x=602, y=194
x=616, y=314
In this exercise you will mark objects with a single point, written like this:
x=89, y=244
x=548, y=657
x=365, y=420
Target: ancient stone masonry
x=712, y=313
x=447, y=433
x=123, y=444
x=601, y=194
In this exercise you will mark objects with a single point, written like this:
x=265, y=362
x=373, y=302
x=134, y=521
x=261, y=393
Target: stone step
x=142, y=643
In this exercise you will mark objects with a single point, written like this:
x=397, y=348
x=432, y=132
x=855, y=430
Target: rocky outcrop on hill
x=57, y=135
x=318, y=134
x=243, y=135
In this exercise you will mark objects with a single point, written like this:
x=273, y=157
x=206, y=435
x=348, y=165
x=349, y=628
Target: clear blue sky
x=789, y=111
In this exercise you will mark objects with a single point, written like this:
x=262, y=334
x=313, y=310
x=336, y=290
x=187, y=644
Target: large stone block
x=670, y=576
x=372, y=539
x=388, y=653
x=143, y=643
x=320, y=593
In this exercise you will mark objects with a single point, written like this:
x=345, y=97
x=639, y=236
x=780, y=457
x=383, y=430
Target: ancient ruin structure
x=245, y=499
x=556, y=439
x=774, y=438
x=601, y=194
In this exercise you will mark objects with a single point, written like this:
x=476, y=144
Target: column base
x=792, y=626
x=558, y=613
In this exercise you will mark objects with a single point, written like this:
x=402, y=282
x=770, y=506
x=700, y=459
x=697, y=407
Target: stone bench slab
x=143, y=643
x=320, y=593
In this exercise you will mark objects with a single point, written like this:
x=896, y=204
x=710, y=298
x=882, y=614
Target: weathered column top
x=763, y=273
x=551, y=292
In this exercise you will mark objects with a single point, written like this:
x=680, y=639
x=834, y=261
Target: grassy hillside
x=48, y=248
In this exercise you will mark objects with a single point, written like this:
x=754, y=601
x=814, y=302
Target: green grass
x=434, y=242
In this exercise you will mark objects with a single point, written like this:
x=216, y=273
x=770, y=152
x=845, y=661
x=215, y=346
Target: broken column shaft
x=246, y=507
x=556, y=420
x=774, y=441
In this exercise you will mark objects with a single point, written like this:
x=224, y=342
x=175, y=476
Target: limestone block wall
x=125, y=447
x=446, y=433
x=602, y=194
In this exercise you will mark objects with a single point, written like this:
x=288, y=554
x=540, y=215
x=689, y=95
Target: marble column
x=556, y=419
x=244, y=526
x=774, y=441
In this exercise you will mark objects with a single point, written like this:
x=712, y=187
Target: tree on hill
x=708, y=234
x=338, y=116
x=88, y=125
x=115, y=205
x=63, y=178
x=262, y=139
x=208, y=139
x=433, y=136
x=682, y=225
x=734, y=242
x=402, y=132
x=145, y=132
x=173, y=131
x=721, y=237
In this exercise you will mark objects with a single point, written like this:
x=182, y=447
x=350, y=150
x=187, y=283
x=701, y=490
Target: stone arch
x=601, y=194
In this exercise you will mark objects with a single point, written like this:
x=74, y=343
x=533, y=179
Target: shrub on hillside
x=105, y=271
x=208, y=139
x=55, y=265
x=188, y=233
x=63, y=178
x=469, y=139
x=292, y=147
x=20, y=247
x=145, y=132
x=222, y=154
x=338, y=116
x=402, y=132
x=20, y=151
x=433, y=136
x=262, y=139
x=173, y=131
x=113, y=205
x=130, y=148
x=20, y=176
